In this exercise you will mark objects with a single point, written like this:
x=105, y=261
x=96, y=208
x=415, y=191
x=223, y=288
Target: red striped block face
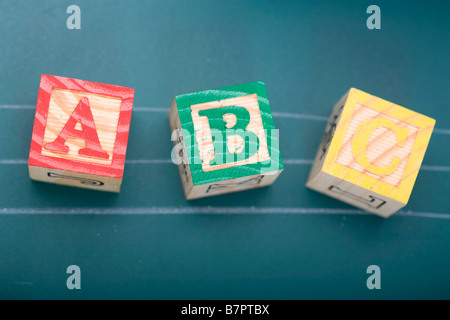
x=80, y=132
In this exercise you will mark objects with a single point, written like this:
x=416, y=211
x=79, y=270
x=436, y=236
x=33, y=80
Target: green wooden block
x=225, y=140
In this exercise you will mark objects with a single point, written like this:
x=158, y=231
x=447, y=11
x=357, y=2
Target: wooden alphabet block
x=225, y=140
x=80, y=133
x=371, y=153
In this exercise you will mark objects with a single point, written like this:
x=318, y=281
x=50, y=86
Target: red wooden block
x=80, y=133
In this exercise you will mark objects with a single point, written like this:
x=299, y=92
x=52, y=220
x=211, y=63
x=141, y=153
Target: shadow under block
x=224, y=140
x=371, y=153
x=80, y=133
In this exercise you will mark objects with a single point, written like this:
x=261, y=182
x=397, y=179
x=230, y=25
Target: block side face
x=327, y=137
x=233, y=185
x=231, y=132
x=379, y=145
x=75, y=179
x=354, y=195
x=110, y=108
x=179, y=153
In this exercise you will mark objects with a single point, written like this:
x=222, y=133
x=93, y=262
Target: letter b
x=218, y=125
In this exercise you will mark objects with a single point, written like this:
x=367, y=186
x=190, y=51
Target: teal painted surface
x=184, y=103
x=308, y=53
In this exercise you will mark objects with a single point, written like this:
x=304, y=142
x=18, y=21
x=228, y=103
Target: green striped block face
x=229, y=133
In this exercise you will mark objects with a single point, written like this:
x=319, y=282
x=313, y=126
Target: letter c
x=361, y=140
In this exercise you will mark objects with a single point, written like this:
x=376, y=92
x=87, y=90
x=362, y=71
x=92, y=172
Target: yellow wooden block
x=371, y=153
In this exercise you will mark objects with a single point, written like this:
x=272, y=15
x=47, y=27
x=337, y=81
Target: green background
x=280, y=242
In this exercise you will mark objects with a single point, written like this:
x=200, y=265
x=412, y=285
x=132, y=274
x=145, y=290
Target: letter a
x=74, y=21
x=74, y=281
x=374, y=281
x=374, y=21
x=88, y=133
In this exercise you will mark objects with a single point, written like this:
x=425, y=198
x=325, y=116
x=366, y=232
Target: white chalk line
x=275, y=114
x=18, y=107
x=298, y=161
x=442, y=131
x=299, y=116
x=13, y=161
x=168, y=161
x=209, y=210
x=138, y=161
x=147, y=109
x=149, y=161
x=435, y=168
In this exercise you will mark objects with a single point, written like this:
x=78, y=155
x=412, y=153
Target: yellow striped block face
x=371, y=153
